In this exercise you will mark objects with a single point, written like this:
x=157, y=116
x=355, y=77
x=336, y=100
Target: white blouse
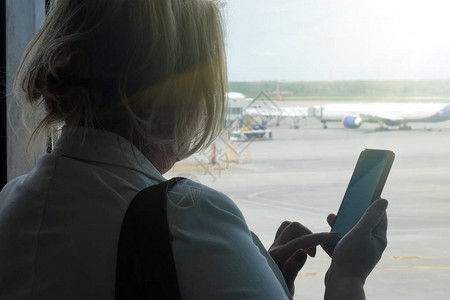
x=60, y=224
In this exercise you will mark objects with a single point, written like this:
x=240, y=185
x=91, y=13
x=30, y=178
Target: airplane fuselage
x=390, y=114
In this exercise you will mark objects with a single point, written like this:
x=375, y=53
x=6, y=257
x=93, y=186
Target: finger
x=309, y=241
x=330, y=219
x=292, y=231
x=281, y=228
x=372, y=216
x=380, y=230
x=292, y=266
x=298, y=228
x=311, y=251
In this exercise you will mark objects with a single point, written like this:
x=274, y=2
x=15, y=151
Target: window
x=315, y=54
x=308, y=56
x=22, y=19
x=236, y=110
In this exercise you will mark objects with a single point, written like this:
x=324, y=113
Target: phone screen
x=365, y=186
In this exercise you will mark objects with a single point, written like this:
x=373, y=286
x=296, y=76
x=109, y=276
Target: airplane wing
x=380, y=116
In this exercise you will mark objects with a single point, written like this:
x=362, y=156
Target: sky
x=325, y=40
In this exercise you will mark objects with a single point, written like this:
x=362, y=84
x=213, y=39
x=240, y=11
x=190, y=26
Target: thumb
x=372, y=216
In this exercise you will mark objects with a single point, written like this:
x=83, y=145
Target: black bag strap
x=145, y=265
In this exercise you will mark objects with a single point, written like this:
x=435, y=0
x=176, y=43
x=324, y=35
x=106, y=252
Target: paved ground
x=302, y=175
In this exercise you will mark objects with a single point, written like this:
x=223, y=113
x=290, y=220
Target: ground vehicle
x=253, y=131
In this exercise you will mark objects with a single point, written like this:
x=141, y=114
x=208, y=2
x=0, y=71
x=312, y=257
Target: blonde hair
x=152, y=70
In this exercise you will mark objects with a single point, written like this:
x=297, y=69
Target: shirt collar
x=104, y=147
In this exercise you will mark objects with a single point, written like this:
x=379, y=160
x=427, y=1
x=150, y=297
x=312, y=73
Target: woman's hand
x=293, y=243
x=357, y=253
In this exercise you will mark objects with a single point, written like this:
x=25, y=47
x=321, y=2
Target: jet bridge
x=264, y=110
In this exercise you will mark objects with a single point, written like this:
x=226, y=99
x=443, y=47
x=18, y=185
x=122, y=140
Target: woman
x=139, y=85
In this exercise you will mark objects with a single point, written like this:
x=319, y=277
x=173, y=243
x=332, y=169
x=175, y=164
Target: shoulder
x=189, y=195
x=30, y=188
x=215, y=253
x=10, y=192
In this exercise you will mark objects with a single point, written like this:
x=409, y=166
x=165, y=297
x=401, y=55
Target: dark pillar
x=3, y=168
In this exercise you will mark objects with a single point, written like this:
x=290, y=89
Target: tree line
x=356, y=88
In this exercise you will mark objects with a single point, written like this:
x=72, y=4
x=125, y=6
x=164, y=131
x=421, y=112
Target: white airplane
x=352, y=115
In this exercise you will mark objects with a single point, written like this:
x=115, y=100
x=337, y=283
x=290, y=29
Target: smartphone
x=366, y=184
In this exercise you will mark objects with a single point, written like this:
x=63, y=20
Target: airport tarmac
x=301, y=174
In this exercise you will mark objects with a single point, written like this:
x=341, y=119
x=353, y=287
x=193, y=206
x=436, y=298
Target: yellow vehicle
x=250, y=132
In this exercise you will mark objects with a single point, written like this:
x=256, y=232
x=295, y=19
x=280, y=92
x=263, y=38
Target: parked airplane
x=352, y=115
